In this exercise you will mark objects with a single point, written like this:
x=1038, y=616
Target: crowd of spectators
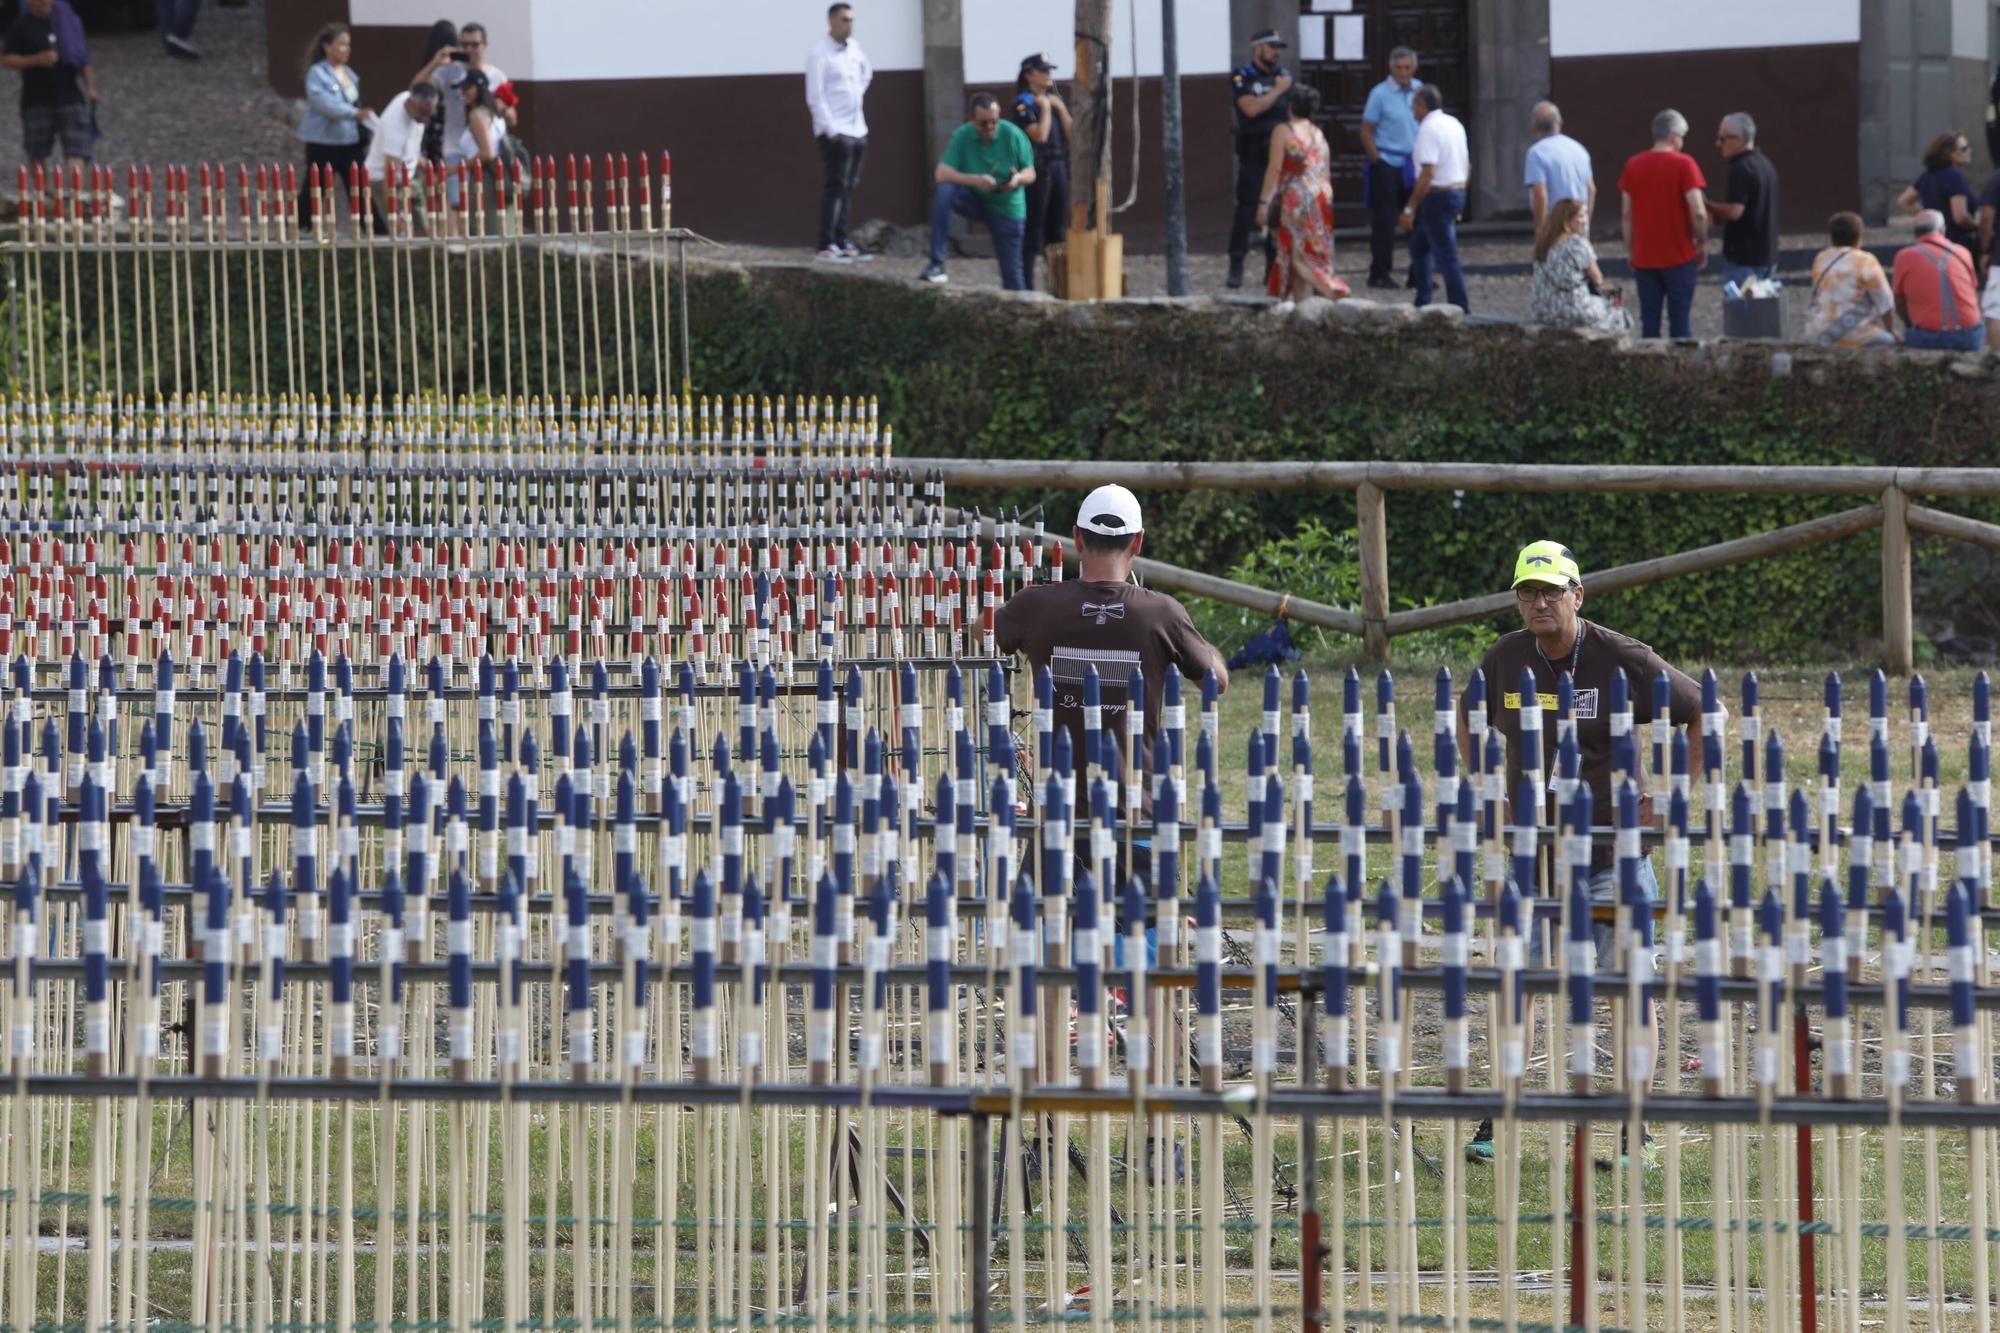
x=458, y=108
x=1006, y=169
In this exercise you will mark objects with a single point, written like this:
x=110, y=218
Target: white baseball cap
x=1110, y=510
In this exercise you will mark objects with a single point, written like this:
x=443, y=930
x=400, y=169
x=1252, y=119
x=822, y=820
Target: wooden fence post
x=1898, y=634
x=1371, y=529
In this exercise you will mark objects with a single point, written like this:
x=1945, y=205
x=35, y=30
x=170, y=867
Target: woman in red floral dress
x=1297, y=183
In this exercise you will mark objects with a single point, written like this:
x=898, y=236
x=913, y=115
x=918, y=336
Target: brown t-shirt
x=1599, y=653
x=1112, y=626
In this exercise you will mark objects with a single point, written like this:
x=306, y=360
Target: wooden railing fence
x=1888, y=491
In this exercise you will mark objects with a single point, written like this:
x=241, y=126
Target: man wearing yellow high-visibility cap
x=1555, y=640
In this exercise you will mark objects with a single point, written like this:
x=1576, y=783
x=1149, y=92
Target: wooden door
x=1439, y=31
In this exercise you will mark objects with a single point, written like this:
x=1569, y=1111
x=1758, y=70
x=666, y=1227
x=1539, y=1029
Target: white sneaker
x=857, y=254
x=833, y=255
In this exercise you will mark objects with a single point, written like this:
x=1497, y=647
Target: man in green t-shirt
x=982, y=176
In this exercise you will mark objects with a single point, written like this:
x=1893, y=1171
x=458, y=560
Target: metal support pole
x=982, y=1221
x=1171, y=152
x=1312, y=1306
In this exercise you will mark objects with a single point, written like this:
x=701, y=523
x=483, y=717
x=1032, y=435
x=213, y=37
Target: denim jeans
x=1946, y=340
x=176, y=17
x=452, y=158
x=969, y=203
x=1603, y=888
x=1434, y=241
x=1674, y=286
x=1742, y=273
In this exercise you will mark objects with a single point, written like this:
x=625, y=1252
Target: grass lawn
x=666, y=1253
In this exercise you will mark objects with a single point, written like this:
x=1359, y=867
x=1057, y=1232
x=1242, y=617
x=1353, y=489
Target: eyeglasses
x=1725, y=138
x=1530, y=596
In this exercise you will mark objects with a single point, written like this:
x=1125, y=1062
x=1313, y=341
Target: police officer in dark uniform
x=1258, y=92
x=1044, y=118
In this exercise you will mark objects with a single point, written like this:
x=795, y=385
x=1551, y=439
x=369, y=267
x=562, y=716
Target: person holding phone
x=982, y=176
x=58, y=93
x=1040, y=113
x=455, y=54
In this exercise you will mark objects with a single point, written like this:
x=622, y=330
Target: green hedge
x=978, y=375
x=994, y=378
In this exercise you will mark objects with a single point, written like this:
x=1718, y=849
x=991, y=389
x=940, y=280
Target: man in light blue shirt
x=1558, y=166
x=1388, y=133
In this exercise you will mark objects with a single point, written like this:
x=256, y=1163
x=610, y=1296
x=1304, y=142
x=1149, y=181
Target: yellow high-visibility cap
x=1546, y=562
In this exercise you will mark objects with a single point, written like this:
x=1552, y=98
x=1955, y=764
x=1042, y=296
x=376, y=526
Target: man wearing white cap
x=1103, y=619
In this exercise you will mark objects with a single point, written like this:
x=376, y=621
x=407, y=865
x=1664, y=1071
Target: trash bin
x=1754, y=317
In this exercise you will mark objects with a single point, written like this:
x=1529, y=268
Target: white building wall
x=998, y=33
x=508, y=26
x=1639, y=27
x=1968, y=29
x=651, y=39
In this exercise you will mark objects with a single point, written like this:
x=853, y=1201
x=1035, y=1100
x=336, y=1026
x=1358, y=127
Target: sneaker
x=1479, y=1148
x=934, y=272
x=832, y=255
x=180, y=47
x=1235, y=273
x=1383, y=283
x=857, y=254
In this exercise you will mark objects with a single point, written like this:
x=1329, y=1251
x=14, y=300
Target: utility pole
x=1090, y=141
x=1093, y=258
x=1170, y=150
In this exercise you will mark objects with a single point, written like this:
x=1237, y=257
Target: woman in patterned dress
x=1298, y=189
x=1570, y=291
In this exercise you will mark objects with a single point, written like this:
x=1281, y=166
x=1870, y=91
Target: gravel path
x=159, y=110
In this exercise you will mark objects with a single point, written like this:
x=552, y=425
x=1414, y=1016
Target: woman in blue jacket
x=336, y=124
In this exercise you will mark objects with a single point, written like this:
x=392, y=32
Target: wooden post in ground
x=1372, y=532
x=1092, y=257
x=1898, y=634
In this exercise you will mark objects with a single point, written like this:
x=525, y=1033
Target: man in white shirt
x=399, y=130
x=837, y=77
x=399, y=137
x=1444, y=165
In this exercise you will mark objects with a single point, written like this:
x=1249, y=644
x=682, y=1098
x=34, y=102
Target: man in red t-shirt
x=1665, y=220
